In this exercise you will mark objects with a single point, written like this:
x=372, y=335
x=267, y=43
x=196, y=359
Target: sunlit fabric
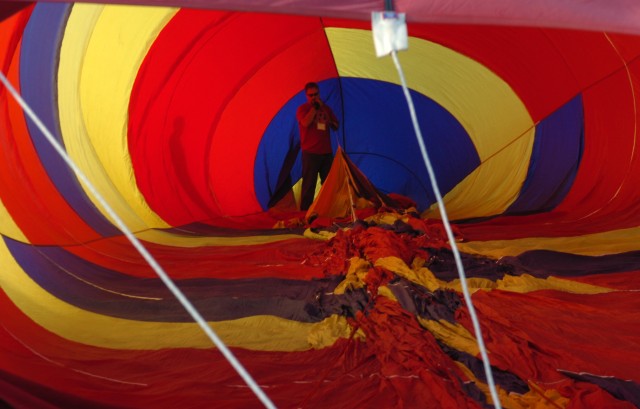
x=183, y=119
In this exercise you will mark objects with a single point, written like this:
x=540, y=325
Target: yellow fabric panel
x=526, y=283
x=327, y=332
x=384, y=291
x=297, y=191
x=8, y=227
x=265, y=333
x=473, y=284
x=102, y=50
x=176, y=240
x=491, y=188
x=358, y=270
x=335, y=197
x=385, y=218
x=453, y=335
x=596, y=244
x=422, y=276
x=322, y=235
x=494, y=117
x=521, y=284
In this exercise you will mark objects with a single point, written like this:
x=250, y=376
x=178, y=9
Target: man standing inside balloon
x=315, y=119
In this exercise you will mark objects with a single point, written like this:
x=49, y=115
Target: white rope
x=447, y=226
x=142, y=250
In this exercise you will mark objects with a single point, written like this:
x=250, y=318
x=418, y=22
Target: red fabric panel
x=216, y=79
x=283, y=259
x=626, y=45
x=590, y=57
x=168, y=153
x=535, y=334
x=629, y=280
x=303, y=55
x=610, y=126
x=27, y=192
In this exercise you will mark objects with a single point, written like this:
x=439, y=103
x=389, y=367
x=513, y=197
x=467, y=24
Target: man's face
x=313, y=94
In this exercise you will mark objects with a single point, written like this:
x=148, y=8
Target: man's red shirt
x=315, y=138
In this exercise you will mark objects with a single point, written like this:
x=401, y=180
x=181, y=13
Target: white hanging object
x=389, y=32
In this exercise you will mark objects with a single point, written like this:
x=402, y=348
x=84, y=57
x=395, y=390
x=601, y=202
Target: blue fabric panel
x=381, y=141
x=38, y=66
x=378, y=136
x=554, y=161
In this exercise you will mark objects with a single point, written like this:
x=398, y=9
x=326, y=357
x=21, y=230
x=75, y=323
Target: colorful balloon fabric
x=184, y=121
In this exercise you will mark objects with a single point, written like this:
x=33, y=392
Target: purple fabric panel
x=443, y=266
x=554, y=160
x=438, y=305
x=538, y=263
x=544, y=263
x=626, y=390
x=97, y=289
x=38, y=72
x=506, y=380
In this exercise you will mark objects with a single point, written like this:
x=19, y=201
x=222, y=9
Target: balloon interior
x=183, y=120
